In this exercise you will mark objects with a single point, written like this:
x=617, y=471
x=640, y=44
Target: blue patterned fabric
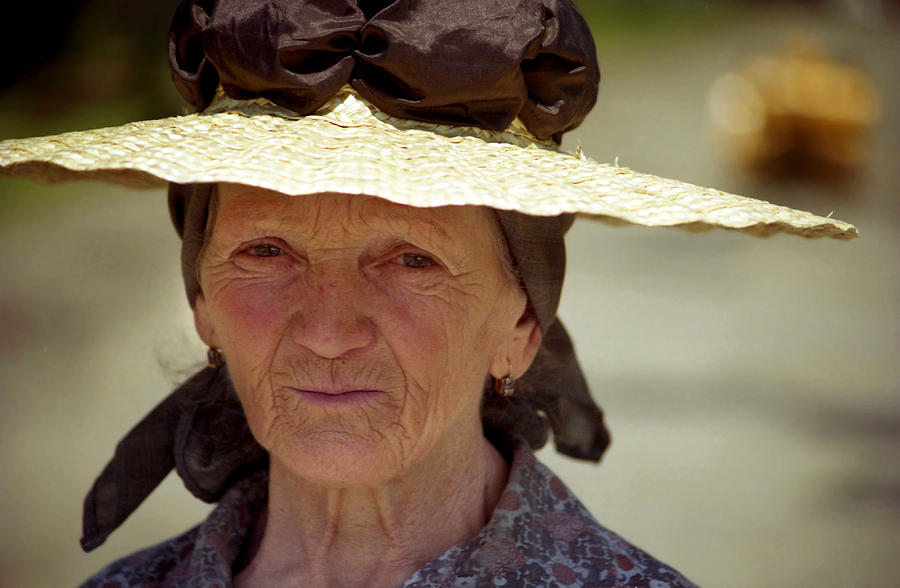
x=539, y=535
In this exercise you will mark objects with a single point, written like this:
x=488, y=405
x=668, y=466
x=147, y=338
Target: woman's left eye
x=265, y=250
x=416, y=260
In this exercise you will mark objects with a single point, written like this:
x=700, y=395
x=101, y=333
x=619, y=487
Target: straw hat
x=348, y=144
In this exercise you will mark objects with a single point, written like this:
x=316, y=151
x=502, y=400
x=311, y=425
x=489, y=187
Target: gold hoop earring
x=214, y=358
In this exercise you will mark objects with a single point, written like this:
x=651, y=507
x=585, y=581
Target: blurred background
x=751, y=385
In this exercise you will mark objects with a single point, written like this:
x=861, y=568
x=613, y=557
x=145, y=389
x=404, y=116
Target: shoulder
x=556, y=538
x=202, y=556
x=599, y=557
x=162, y=564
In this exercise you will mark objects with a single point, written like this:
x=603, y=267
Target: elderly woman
x=372, y=205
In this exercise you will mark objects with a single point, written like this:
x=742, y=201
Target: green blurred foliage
x=614, y=19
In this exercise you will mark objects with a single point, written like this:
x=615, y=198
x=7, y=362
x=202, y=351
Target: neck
x=375, y=535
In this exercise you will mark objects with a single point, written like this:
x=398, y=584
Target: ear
x=514, y=356
x=203, y=324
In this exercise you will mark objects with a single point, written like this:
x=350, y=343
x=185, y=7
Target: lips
x=337, y=395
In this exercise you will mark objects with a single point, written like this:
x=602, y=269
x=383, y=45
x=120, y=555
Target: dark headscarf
x=542, y=70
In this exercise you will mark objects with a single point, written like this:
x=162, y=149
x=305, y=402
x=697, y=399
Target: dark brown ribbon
x=200, y=430
x=466, y=62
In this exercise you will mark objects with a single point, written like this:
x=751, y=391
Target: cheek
x=425, y=330
x=253, y=309
x=249, y=320
x=436, y=344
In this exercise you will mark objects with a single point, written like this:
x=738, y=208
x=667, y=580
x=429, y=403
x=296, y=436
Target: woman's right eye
x=416, y=260
x=264, y=255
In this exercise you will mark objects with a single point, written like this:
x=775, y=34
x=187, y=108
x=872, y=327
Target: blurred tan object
x=798, y=113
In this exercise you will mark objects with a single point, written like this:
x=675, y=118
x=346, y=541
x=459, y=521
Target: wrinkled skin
x=315, y=295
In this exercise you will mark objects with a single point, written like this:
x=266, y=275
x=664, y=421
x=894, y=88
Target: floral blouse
x=539, y=535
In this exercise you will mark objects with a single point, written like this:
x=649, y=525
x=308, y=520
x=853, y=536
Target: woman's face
x=358, y=332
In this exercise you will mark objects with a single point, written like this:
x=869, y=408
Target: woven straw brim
x=349, y=146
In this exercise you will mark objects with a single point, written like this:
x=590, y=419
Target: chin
x=342, y=458
x=335, y=440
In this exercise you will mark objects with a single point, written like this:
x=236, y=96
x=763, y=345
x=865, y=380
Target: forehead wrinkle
x=377, y=208
x=316, y=219
x=368, y=215
x=248, y=204
x=315, y=215
x=262, y=210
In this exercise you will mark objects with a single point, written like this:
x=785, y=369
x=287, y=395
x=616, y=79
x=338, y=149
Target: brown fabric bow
x=200, y=430
x=466, y=62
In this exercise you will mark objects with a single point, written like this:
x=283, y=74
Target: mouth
x=336, y=396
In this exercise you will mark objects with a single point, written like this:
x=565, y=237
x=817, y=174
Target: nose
x=332, y=322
